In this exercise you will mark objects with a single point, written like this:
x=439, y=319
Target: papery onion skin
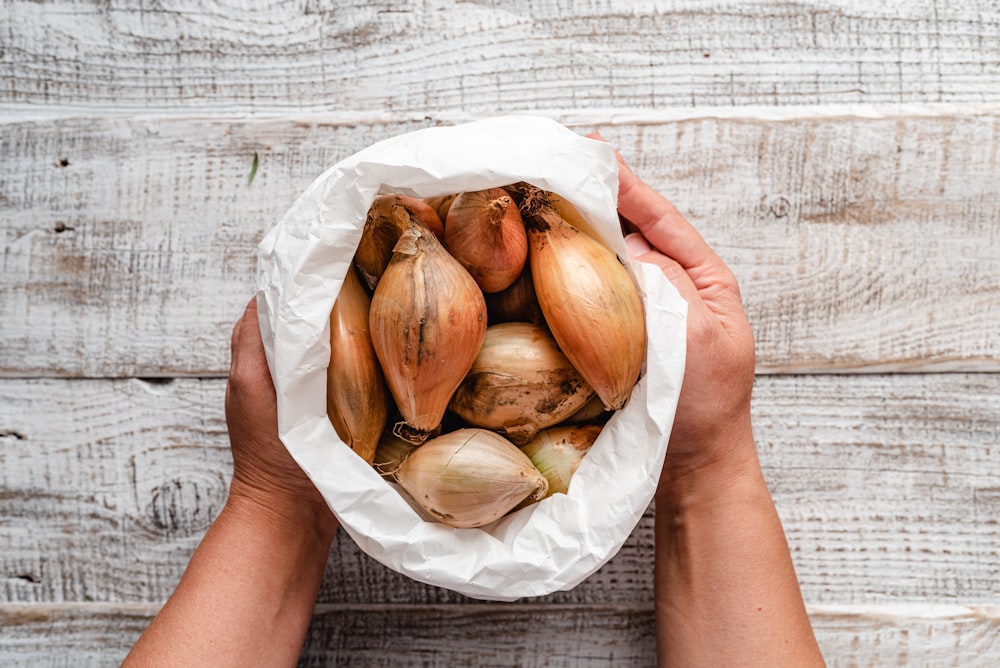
x=470, y=477
x=485, y=233
x=557, y=453
x=356, y=392
x=388, y=217
x=519, y=383
x=589, y=301
x=427, y=323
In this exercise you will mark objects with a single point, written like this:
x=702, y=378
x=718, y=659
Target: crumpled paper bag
x=552, y=545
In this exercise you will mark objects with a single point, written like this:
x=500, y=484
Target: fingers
x=657, y=219
x=640, y=250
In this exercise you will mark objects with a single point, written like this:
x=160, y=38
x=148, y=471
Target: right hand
x=712, y=424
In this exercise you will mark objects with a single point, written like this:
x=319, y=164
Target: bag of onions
x=517, y=379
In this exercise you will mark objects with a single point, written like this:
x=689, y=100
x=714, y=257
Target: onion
x=485, y=233
x=470, y=477
x=516, y=303
x=427, y=322
x=356, y=396
x=589, y=301
x=592, y=412
x=390, y=453
x=441, y=204
x=519, y=383
x=388, y=217
x=557, y=452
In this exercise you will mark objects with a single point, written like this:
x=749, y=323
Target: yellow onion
x=557, y=452
x=355, y=390
x=591, y=412
x=516, y=303
x=470, y=477
x=485, y=233
x=589, y=301
x=428, y=320
x=519, y=383
x=570, y=214
x=388, y=217
x=441, y=204
x=390, y=453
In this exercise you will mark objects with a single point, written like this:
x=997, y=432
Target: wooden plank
x=886, y=484
x=864, y=242
x=507, y=635
x=438, y=56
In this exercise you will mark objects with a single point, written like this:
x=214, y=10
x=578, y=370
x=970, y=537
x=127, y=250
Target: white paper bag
x=552, y=545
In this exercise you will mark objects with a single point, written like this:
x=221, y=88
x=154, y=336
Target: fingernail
x=636, y=245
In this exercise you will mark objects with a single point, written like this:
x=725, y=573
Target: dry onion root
x=390, y=453
x=356, y=395
x=519, y=383
x=470, y=477
x=428, y=321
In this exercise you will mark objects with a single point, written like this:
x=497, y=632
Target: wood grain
x=886, y=485
x=505, y=635
x=434, y=56
x=862, y=243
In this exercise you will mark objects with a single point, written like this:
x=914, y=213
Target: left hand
x=264, y=473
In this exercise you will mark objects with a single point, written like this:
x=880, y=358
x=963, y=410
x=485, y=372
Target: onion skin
x=557, y=452
x=356, y=395
x=388, y=217
x=470, y=477
x=485, y=233
x=427, y=323
x=589, y=301
x=519, y=383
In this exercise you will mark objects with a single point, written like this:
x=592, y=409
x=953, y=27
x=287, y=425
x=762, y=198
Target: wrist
x=303, y=513
x=710, y=469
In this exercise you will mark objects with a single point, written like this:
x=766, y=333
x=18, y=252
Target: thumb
x=639, y=250
x=636, y=245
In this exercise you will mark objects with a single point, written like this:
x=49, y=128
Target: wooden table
x=843, y=156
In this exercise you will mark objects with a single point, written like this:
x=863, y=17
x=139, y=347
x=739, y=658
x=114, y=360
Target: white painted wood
x=506, y=635
x=433, y=56
x=886, y=484
x=864, y=242
x=840, y=155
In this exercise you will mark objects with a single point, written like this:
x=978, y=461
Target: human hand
x=264, y=474
x=712, y=424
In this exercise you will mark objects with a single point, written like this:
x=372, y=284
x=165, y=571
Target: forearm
x=726, y=591
x=247, y=595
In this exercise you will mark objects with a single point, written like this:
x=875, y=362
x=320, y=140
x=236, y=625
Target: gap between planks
x=33, y=612
x=14, y=113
